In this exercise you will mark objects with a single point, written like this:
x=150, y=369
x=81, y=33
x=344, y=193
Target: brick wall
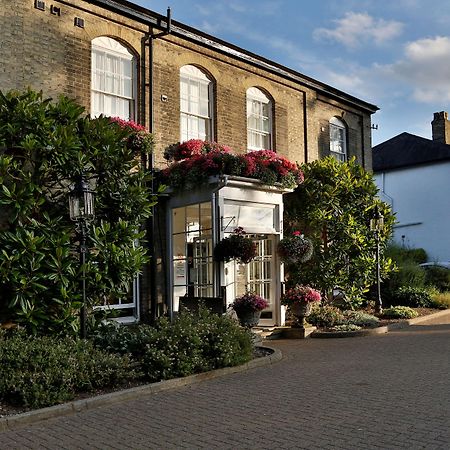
x=48, y=52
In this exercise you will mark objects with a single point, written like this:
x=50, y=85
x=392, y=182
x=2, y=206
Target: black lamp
x=377, y=225
x=81, y=210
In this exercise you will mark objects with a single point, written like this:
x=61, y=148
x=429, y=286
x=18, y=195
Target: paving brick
x=379, y=392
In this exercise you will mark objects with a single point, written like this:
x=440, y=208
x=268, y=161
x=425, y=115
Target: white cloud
x=425, y=68
x=354, y=29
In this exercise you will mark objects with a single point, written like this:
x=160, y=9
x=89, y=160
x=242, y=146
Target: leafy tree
x=333, y=207
x=44, y=146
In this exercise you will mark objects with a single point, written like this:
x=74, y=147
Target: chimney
x=440, y=127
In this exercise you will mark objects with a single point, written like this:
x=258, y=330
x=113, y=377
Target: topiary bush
x=399, y=312
x=38, y=371
x=415, y=297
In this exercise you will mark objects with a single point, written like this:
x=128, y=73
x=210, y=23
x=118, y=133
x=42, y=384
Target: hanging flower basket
x=295, y=249
x=236, y=246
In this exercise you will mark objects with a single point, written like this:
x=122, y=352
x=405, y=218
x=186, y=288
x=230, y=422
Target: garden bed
x=383, y=326
x=8, y=410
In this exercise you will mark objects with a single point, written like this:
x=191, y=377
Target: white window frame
x=107, y=46
x=192, y=75
x=256, y=96
x=338, y=147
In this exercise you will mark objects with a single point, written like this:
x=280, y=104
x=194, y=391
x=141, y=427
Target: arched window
x=338, y=139
x=113, y=80
x=259, y=120
x=195, y=104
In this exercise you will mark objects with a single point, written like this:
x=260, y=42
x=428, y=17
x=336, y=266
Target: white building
x=413, y=175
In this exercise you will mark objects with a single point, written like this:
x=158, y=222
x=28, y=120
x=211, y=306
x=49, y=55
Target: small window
x=338, y=139
x=259, y=120
x=195, y=104
x=113, y=79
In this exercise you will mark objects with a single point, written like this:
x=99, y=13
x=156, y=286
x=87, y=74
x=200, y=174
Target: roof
x=407, y=150
x=153, y=19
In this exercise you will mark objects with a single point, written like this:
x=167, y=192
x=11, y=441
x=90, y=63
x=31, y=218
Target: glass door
x=258, y=276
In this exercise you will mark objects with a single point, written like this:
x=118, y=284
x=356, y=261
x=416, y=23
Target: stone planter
x=248, y=318
x=300, y=310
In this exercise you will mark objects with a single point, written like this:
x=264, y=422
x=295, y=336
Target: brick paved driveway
x=379, y=392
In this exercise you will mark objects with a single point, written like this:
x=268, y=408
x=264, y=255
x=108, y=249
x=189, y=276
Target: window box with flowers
x=299, y=300
x=248, y=308
x=194, y=162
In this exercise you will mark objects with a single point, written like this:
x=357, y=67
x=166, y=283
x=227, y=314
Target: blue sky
x=393, y=53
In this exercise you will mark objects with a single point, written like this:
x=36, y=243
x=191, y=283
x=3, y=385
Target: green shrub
x=326, y=316
x=191, y=344
x=44, y=148
x=414, y=297
x=361, y=319
x=401, y=254
x=438, y=277
x=400, y=312
x=440, y=300
x=42, y=371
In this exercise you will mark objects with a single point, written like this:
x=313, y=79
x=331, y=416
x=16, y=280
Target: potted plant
x=299, y=300
x=236, y=246
x=248, y=308
x=295, y=249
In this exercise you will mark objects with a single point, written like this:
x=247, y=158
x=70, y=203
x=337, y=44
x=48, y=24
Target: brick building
x=120, y=59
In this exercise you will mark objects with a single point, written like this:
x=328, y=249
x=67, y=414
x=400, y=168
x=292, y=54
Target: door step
x=268, y=333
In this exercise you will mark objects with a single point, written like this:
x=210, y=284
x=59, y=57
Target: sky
x=392, y=53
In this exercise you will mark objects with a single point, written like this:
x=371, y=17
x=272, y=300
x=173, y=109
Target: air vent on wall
x=55, y=10
x=78, y=22
x=39, y=4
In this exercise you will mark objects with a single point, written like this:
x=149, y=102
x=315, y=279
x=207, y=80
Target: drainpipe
x=151, y=220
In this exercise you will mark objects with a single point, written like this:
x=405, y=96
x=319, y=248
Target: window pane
x=184, y=105
x=127, y=87
x=178, y=220
x=192, y=217
x=179, y=248
x=127, y=68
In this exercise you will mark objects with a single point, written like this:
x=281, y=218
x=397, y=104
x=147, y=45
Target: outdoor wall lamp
x=377, y=225
x=81, y=210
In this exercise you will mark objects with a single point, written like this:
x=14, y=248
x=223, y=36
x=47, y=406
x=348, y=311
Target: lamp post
x=81, y=210
x=377, y=225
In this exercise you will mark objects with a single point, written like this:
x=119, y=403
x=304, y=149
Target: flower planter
x=249, y=318
x=300, y=310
